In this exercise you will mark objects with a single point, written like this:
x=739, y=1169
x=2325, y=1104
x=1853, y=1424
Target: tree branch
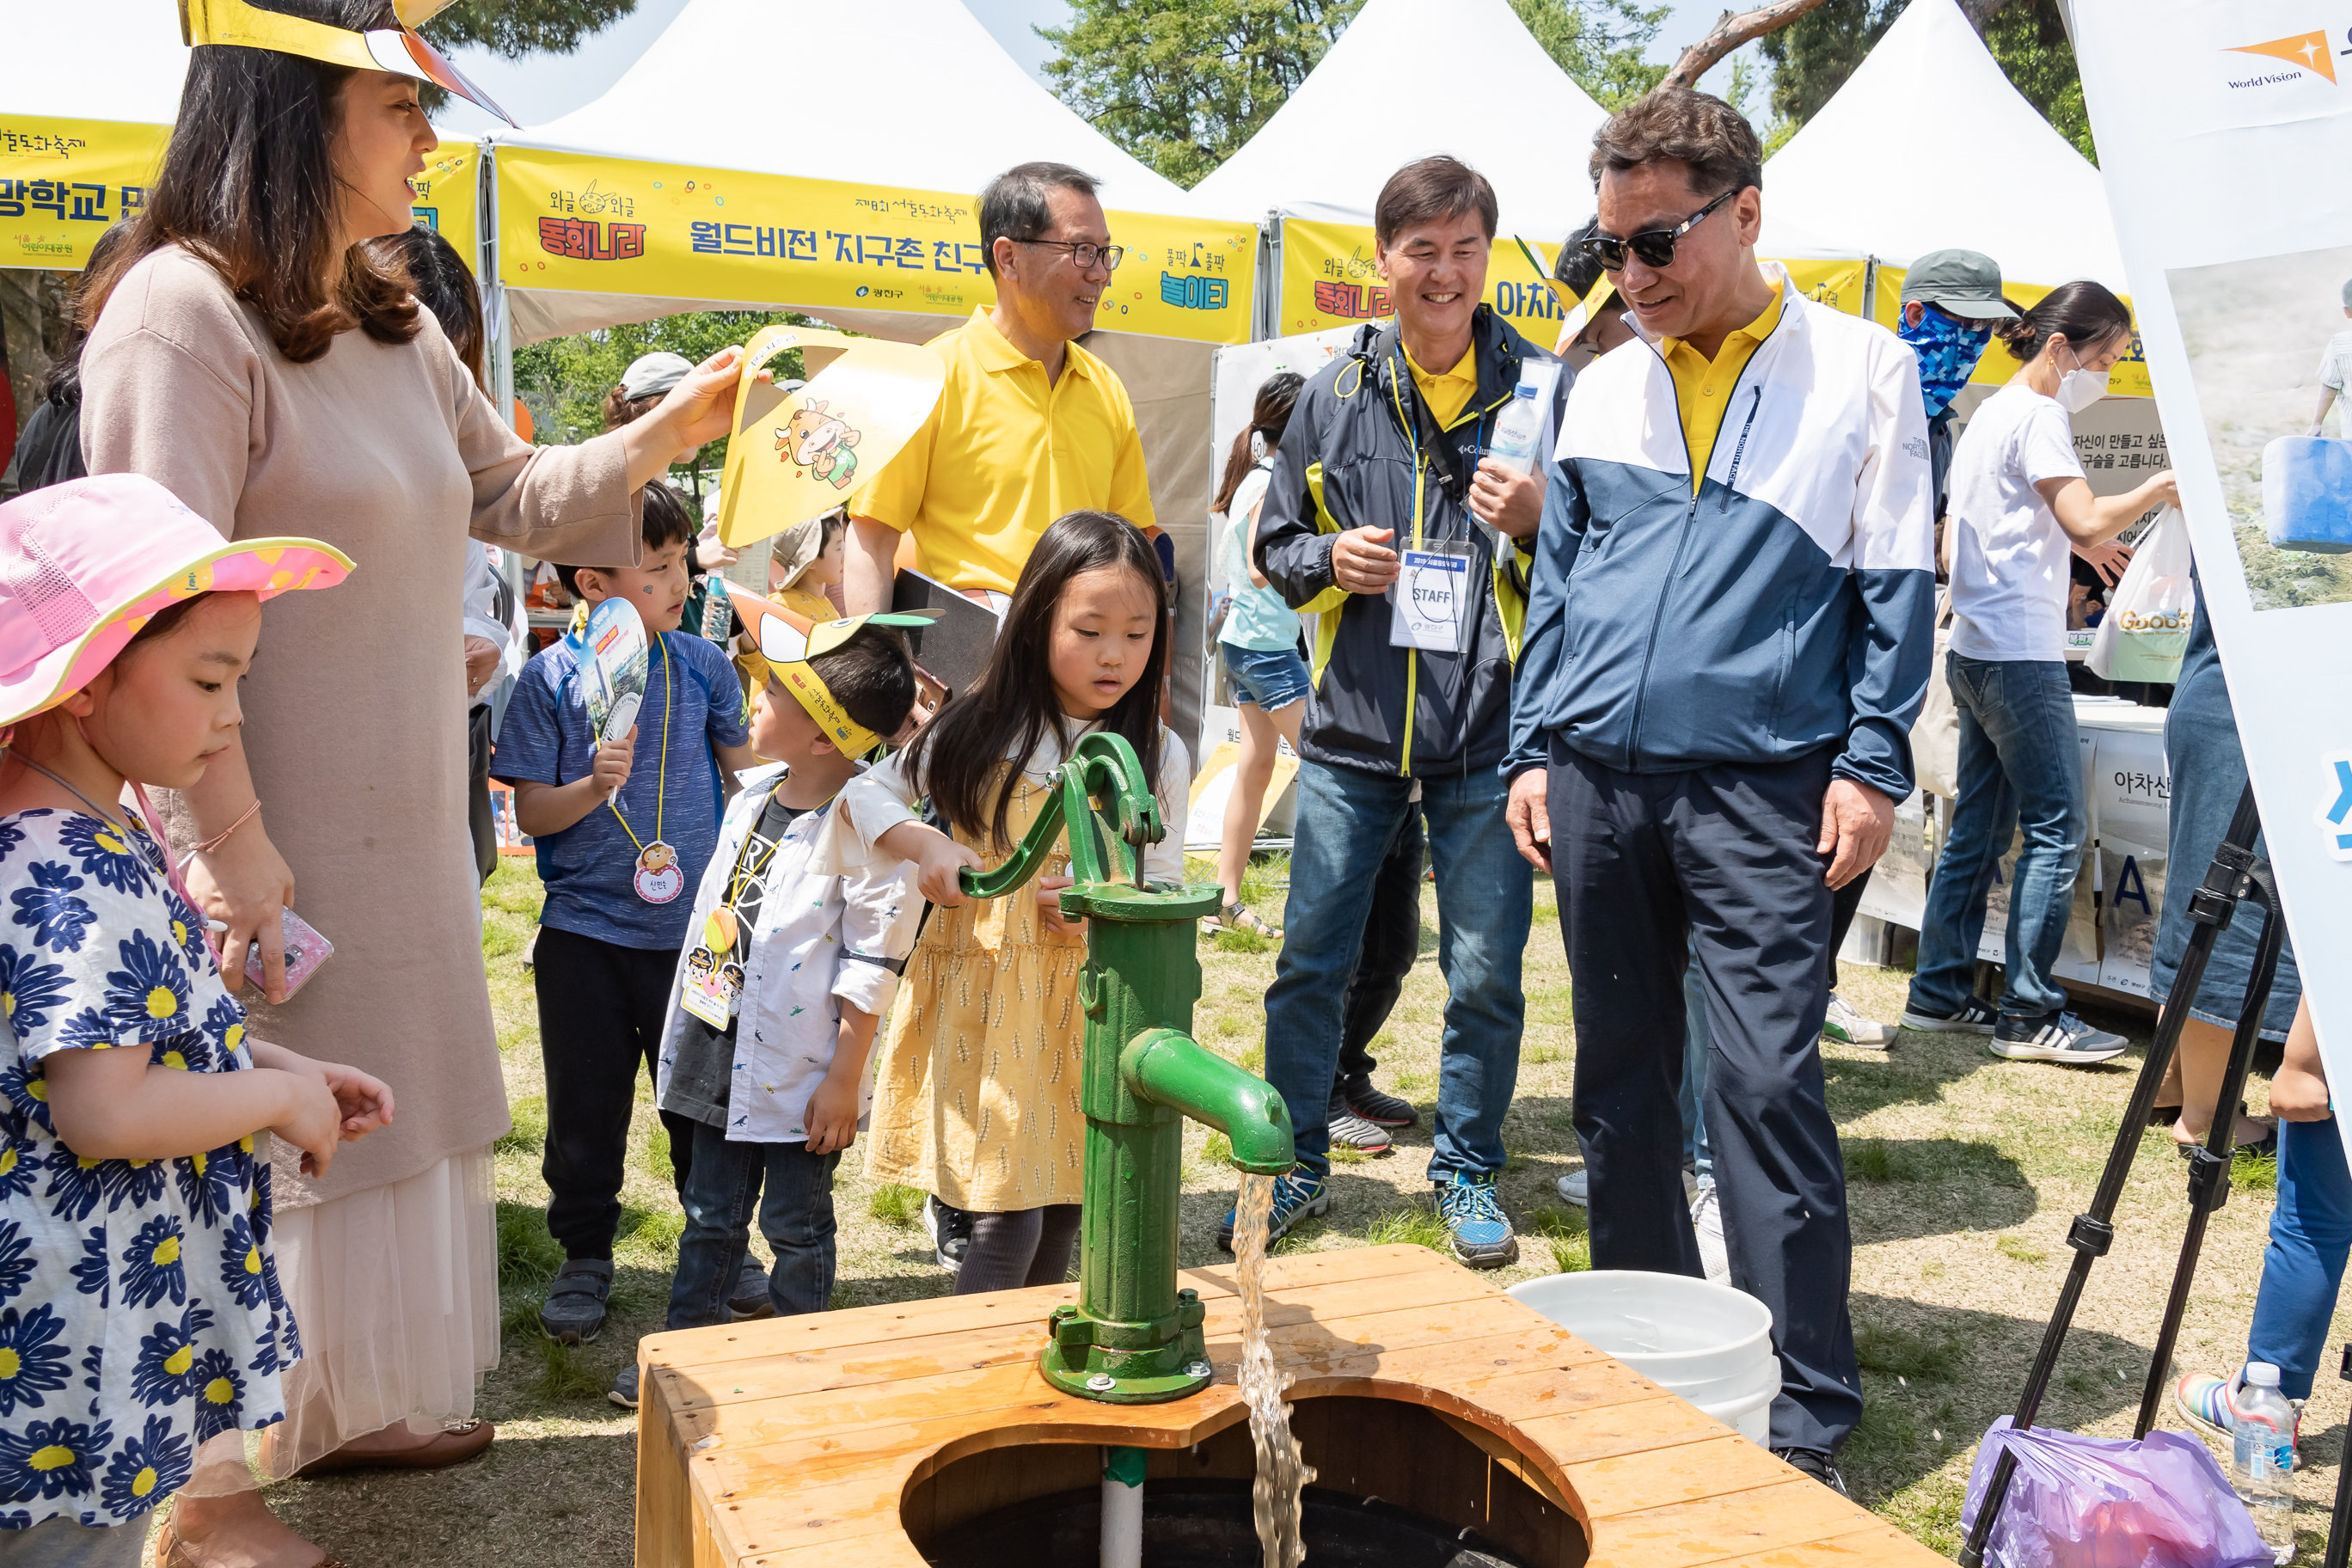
x=1731, y=30
x=1981, y=13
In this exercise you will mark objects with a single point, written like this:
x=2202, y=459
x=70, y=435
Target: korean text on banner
x=2127, y=379
x=64, y=182
x=448, y=197
x=604, y=225
x=1329, y=280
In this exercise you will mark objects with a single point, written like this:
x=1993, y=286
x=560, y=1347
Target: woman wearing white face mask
x=2020, y=505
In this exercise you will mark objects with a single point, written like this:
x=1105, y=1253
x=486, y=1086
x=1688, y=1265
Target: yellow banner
x=604, y=225
x=64, y=182
x=2129, y=379
x=1329, y=279
x=448, y=197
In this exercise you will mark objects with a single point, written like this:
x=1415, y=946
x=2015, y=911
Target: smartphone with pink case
x=305, y=951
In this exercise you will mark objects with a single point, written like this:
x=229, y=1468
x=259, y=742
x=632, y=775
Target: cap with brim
x=85, y=564
x=395, y=49
x=1964, y=283
x=653, y=374
x=788, y=641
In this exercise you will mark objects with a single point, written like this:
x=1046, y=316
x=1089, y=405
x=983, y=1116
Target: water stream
x=1281, y=1472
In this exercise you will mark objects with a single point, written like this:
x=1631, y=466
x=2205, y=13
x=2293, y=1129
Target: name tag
x=1425, y=605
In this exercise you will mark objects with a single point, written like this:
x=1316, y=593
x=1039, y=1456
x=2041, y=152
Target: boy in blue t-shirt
x=623, y=833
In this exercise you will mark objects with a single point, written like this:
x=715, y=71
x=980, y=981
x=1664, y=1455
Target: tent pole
x=1269, y=278
x=494, y=297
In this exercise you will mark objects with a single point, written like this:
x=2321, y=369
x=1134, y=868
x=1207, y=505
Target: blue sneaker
x=1297, y=1196
x=1481, y=1230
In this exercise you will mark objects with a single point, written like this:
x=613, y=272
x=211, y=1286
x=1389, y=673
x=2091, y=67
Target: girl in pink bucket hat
x=134, y=1203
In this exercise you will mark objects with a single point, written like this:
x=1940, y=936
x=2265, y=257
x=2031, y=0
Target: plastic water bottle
x=2263, y=1455
x=1519, y=428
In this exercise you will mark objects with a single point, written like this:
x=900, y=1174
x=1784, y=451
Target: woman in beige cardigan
x=249, y=354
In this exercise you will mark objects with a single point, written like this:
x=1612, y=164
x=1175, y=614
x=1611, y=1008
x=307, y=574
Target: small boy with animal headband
x=784, y=971
x=624, y=831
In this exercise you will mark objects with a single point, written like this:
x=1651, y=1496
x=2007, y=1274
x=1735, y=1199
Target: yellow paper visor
x=788, y=641
x=394, y=49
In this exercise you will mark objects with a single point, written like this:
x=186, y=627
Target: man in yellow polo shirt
x=1029, y=424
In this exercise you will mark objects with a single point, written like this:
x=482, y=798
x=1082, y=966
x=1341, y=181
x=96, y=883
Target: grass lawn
x=1965, y=1173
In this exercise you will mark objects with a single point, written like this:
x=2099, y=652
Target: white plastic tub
x=1708, y=1343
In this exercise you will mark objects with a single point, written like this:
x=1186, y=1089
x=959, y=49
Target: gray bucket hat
x=1964, y=283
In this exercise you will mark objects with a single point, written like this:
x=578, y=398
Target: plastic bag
x=2146, y=629
x=2109, y=1503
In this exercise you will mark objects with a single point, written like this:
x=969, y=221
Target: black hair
x=1575, y=269
x=1712, y=142
x=962, y=756
x=248, y=185
x=2086, y=314
x=872, y=676
x=830, y=527
x=1432, y=190
x=437, y=277
x=165, y=622
x=1018, y=202
x=1269, y=417
x=667, y=522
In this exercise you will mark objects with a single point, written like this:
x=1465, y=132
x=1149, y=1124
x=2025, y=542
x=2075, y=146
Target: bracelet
x=217, y=839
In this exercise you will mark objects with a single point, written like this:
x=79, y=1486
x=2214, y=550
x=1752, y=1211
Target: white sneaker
x=1706, y=1218
x=1848, y=1027
x=1577, y=1188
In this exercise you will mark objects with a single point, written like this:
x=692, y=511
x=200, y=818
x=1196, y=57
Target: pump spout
x=1166, y=1068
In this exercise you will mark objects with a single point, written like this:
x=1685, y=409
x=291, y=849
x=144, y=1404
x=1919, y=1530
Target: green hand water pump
x=1134, y=1337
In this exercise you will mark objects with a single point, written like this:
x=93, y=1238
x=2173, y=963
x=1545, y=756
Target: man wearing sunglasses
x=1029, y=424
x=1728, y=640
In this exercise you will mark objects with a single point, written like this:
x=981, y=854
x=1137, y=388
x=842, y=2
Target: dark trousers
x=788, y=1189
x=1716, y=862
x=1391, y=941
x=600, y=1018
x=480, y=824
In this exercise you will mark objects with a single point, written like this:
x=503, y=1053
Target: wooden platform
x=857, y=1437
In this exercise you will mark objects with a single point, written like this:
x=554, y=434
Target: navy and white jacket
x=1786, y=607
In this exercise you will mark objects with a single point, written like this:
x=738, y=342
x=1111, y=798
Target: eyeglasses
x=1085, y=253
x=1656, y=246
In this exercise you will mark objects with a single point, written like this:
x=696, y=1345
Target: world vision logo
x=2304, y=54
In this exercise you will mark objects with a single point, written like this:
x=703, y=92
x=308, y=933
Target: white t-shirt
x=2011, y=559
x=2336, y=360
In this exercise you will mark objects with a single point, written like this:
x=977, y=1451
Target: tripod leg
x=2208, y=1167
x=2093, y=1232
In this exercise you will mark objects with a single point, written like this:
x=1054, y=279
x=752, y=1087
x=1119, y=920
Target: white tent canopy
x=1927, y=147
x=1507, y=110
x=129, y=53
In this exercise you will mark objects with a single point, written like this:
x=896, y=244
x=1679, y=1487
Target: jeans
x=1391, y=941
x=62, y=1542
x=2021, y=769
x=2311, y=1230
x=1348, y=821
x=791, y=1191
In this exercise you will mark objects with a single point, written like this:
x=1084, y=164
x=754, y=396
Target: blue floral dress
x=139, y=1308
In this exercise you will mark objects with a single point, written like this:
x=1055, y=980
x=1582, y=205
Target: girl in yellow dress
x=976, y=1089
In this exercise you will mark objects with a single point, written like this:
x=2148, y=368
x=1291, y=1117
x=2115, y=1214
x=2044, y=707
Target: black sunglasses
x=1656, y=246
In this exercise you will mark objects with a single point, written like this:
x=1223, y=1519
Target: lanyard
x=661, y=785
x=740, y=881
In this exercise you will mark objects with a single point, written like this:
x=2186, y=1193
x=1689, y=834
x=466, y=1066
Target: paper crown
x=396, y=49
x=788, y=641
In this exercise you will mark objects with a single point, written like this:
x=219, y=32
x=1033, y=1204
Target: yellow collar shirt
x=1004, y=454
x=1703, y=387
x=1447, y=392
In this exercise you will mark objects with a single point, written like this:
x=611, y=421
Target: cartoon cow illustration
x=821, y=443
